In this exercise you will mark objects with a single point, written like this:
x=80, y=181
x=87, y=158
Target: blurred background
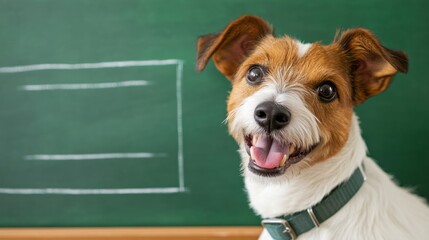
x=104, y=121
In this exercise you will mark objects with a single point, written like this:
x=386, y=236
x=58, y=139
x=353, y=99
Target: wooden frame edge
x=128, y=233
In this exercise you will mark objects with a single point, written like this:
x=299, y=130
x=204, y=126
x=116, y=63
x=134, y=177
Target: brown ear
x=230, y=47
x=372, y=65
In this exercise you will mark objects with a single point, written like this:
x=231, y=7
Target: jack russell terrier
x=303, y=157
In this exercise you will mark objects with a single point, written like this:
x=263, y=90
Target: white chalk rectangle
x=81, y=84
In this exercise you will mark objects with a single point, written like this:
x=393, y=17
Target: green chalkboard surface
x=104, y=121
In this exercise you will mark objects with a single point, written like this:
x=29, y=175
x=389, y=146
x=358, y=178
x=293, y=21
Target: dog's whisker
x=229, y=116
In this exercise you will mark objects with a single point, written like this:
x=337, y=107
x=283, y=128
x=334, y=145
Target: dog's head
x=293, y=102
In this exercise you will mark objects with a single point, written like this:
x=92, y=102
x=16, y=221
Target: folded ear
x=372, y=65
x=230, y=47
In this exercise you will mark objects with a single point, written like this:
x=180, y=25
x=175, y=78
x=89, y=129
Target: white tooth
x=251, y=153
x=282, y=163
x=255, y=139
x=291, y=149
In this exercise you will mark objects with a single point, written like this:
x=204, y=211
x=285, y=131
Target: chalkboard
x=104, y=121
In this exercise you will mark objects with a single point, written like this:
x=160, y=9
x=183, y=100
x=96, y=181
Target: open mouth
x=270, y=157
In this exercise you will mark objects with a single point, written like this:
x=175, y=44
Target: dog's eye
x=327, y=91
x=255, y=74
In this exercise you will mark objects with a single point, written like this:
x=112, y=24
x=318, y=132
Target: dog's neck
x=300, y=189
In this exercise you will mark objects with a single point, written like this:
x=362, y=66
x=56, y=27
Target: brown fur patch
x=230, y=47
x=372, y=66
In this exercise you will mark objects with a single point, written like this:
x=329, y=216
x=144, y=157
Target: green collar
x=289, y=227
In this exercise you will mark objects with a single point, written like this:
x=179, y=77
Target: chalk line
x=64, y=66
x=179, y=72
x=96, y=156
x=78, y=191
x=79, y=86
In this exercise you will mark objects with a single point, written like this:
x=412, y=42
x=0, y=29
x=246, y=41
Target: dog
x=291, y=110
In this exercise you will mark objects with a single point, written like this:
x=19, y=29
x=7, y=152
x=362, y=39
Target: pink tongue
x=268, y=153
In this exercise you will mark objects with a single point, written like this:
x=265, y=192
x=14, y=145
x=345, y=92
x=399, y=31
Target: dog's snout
x=272, y=116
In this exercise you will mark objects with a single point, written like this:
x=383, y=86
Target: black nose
x=272, y=116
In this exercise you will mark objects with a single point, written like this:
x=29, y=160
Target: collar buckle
x=288, y=230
